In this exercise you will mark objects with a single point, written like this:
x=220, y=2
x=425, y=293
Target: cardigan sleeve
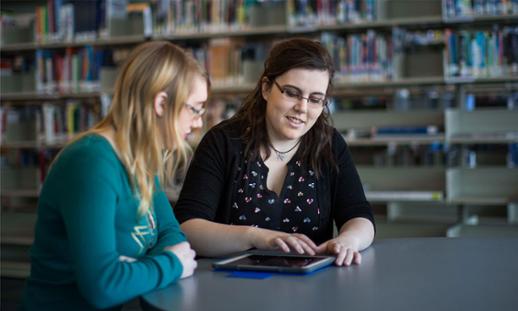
x=349, y=198
x=88, y=201
x=205, y=181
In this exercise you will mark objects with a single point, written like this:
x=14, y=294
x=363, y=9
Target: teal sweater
x=91, y=249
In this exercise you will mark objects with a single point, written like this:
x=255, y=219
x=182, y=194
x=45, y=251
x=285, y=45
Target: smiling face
x=294, y=103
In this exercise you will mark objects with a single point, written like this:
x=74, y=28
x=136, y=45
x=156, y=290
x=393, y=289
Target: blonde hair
x=151, y=68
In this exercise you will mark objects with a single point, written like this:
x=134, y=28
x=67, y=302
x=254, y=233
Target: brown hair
x=296, y=53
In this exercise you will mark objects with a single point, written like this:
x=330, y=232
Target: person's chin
x=292, y=134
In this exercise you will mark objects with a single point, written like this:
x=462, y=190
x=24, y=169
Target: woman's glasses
x=195, y=111
x=293, y=94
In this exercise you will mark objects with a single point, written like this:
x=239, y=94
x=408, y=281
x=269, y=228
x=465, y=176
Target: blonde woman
x=106, y=232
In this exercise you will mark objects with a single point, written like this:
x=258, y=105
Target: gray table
x=400, y=274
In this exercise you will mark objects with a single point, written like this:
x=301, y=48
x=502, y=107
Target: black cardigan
x=208, y=187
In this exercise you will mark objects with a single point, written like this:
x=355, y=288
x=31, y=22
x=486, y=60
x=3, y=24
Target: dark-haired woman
x=277, y=174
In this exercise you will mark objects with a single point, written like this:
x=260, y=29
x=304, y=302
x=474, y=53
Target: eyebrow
x=200, y=102
x=298, y=89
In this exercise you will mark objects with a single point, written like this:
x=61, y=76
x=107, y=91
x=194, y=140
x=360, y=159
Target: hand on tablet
x=186, y=254
x=269, y=239
x=345, y=249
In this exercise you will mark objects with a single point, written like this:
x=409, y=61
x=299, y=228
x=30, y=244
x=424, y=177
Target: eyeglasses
x=195, y=111
x=294, y=94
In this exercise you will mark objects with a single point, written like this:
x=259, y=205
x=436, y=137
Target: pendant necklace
x=282, y=154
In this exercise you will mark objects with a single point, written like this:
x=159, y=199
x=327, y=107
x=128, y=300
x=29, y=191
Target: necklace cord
x=281, y=154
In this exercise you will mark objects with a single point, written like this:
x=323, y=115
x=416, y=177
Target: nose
x=301, y=105
x=197, y=122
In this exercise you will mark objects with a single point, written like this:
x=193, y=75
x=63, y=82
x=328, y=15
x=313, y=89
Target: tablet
x=274, y=262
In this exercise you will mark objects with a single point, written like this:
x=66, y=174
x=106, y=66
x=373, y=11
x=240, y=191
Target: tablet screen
x=265, y=260
x=279, y=262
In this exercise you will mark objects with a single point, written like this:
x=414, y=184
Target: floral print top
x=222, y=187
x=296, y=209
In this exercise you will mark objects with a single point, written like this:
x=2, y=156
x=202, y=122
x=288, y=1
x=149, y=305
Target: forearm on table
x=213, y=239
x=360, y=229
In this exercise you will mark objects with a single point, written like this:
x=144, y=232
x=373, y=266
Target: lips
x=295, y=120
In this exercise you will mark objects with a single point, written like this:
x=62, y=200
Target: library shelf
x=477, y=80
x=18, y=228
x=484, y=185
x=15, y=269
x=189, y=35
x=120, y=40
x=219, y=89
x=396, y=140
x=33, y=144
x=483, y=139
x=18, y=47
x=386, y=228
x=111, y=41
x=483, y=230
x=502, y=18
x=43, y=96
x=276, y=30
x=500, y=125
x=194, y=35
x=478, y=200
x=17, y=236
x=30, y=193
x=406, y=22
x=345, y=84
x=418, y=182
x=366, y=119
x=437, y=212
x=404, y=196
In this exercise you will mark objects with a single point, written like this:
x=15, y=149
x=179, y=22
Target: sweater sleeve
x=349, y=197
x=204, y=183
x=169, y=232
x=88, y=204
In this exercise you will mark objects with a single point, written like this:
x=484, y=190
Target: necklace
x=282, y=154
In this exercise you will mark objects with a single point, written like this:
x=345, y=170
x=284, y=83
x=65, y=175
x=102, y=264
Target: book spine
x=49, y=123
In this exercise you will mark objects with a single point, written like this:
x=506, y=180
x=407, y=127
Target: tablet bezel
x=227, y=264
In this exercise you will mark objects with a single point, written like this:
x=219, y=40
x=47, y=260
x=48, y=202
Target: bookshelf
x=414, y=117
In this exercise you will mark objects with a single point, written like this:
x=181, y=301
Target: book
x=474, y=54
x=49, y=123
x=142, y=10
x=224, y=60
x=361, y=57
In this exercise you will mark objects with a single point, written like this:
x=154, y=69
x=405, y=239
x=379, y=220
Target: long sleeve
x=88, y=203
x=205, y=180
x=349, y=197
x=169, y=232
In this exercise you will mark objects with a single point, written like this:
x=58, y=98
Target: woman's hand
x=344, y=247
x=186, y=254
x=270, y=239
